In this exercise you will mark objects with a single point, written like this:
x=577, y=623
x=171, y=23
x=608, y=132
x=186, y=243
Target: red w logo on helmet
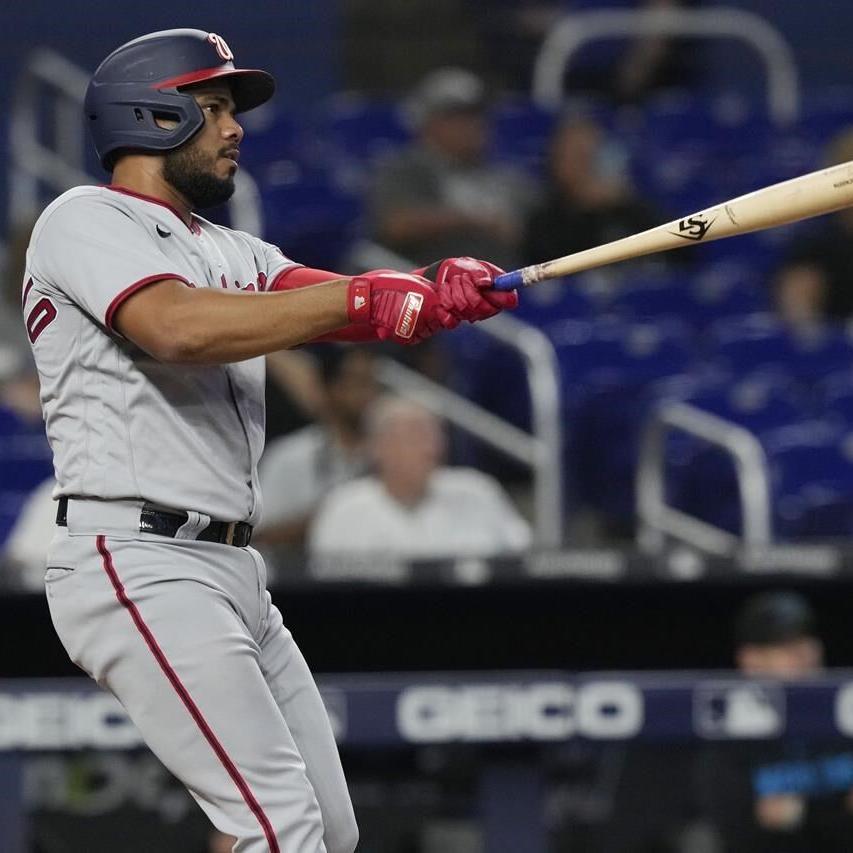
x=221, y=46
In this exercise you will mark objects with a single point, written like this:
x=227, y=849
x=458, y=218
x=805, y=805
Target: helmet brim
x=250, y=87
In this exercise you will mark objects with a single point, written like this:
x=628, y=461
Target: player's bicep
x=150, y=316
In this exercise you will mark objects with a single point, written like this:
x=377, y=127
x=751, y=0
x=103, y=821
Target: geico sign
x=538, y=711
x=64, y=721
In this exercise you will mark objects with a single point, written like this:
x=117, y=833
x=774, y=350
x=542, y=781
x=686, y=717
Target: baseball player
x=148, y=325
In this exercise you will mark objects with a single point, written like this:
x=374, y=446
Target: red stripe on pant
x=183, y=693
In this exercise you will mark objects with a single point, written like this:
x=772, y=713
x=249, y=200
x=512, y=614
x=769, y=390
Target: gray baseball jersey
x=121, y=424
x=180, y=629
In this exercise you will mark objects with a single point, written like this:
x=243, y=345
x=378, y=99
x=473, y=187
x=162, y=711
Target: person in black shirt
x=589, y=201
x=778, y=796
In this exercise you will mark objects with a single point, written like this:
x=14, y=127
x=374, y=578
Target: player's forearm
x=210, y=327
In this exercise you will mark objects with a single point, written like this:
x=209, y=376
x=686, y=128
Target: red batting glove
x=464, y=287
x=400, y=307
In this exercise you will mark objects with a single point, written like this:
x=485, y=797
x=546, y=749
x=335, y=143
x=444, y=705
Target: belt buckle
x=229, y=532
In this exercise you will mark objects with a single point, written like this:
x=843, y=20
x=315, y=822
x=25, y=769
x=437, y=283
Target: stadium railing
x=574, y=31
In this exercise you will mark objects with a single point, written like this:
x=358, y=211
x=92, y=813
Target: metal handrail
x=656, y=519
x=63, y=165
x=33, y=162
x=541, y=449
x=573, y=31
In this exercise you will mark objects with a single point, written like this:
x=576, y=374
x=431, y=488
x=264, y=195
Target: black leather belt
x=167, y=523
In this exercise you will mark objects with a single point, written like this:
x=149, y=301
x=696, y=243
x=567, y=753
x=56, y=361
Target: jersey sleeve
x=97, y=256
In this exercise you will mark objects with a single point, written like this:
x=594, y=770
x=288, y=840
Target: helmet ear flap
x=126, y=118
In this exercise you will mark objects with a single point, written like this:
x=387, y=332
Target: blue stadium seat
x=744, y=344
x=821, y=352
x=760, y=401
x=835, y=396
x=351, y=133
x=279, y=139
x=702, y=478
x=608, y=370
x=553, y=301
x=725, y=290
x=826, y=112
x=311, y=219
x=521, y=132
x=663, y=297
x=812, y=476
x=610, y=352
x=807, y=452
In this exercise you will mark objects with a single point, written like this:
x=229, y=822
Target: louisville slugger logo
x=693, y=227
x=409, y=315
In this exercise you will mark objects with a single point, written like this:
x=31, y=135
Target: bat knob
x=509, y=281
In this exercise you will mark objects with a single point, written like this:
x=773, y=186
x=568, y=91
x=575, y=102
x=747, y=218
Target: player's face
x=203, y=169
x=791, y=659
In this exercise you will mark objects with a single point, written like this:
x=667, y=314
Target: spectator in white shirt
x=413, y=506
x=298, y=469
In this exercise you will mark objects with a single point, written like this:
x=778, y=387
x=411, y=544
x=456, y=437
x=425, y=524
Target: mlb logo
x=738, y=710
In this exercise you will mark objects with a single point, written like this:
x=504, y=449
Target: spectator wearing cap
x=441, y=196
x=25, y=458
x=775, y=796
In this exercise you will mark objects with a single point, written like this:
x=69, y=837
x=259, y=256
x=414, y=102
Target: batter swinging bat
x=818, y=192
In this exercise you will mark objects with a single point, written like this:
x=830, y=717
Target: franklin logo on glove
x=409, y=315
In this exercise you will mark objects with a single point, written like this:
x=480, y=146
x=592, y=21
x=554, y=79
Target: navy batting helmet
x=142, y=81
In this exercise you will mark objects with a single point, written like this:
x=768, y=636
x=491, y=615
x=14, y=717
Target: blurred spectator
x=25, y=458
x=12, y=330
x=440, y=196
x=815, y=282
x=297, y=470
x=294, y=392
x=774, y=796
x=413, y=506
x=26, y=548
x=590, y=199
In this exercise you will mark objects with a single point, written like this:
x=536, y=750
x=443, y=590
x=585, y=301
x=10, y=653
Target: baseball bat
x=824, y=191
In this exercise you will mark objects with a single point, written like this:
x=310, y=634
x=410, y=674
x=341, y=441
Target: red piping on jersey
x=192, y=224
x=132, y=288
x=26, y=293
x=184, y=696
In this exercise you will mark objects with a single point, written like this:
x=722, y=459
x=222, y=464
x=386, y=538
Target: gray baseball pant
x=185, y=635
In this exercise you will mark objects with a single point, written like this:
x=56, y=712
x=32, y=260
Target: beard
x=191, y=173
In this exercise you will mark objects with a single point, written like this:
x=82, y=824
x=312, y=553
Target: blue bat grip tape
x=509, y=281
